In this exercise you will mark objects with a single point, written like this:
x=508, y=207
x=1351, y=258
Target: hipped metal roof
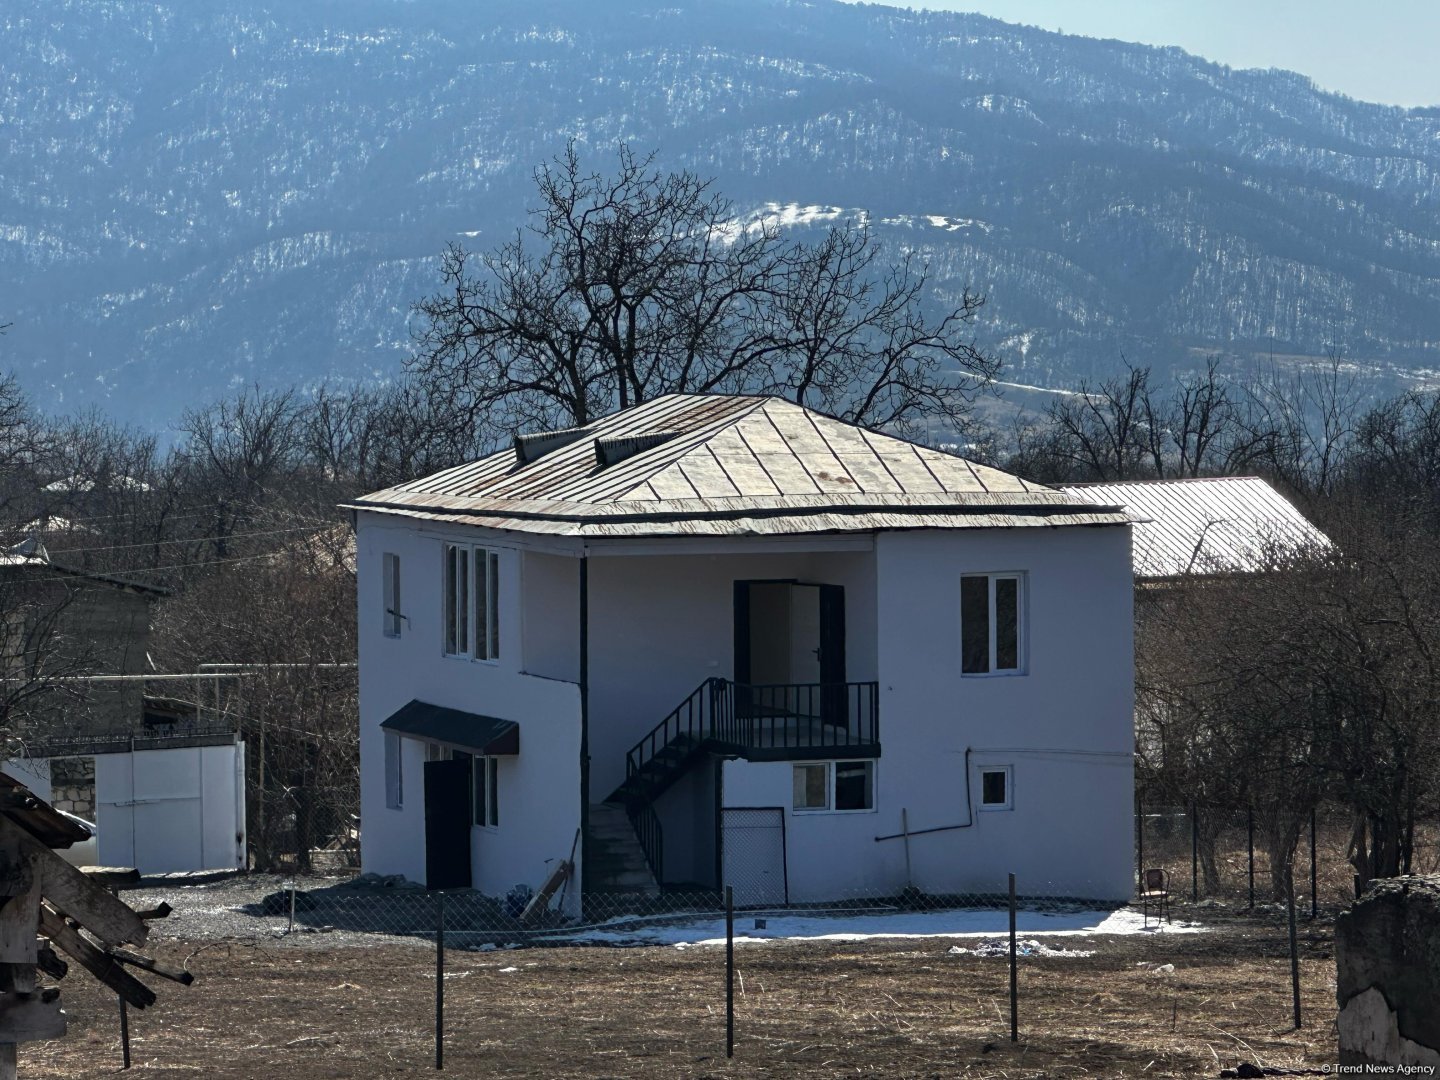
x=1221, y=525
x=728, y=465
x=487, y=736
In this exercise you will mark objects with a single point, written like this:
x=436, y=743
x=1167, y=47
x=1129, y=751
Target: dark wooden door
x=447, y=824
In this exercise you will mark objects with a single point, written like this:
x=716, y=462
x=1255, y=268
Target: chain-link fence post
x=439, y=980
x=729, y=972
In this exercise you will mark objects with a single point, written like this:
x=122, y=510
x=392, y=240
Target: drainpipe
x=584, y=724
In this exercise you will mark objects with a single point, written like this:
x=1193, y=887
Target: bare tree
x=629, y=286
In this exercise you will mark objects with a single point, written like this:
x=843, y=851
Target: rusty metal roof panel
x=1221, y=525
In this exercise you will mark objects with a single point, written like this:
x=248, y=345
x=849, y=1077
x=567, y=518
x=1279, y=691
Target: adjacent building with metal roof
x=1214, y=525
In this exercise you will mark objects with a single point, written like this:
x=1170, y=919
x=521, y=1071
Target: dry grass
x=896, y=1009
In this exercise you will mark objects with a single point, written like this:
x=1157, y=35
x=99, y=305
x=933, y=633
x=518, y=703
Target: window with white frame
x=485, y=791
x=391, y=576
x=996, y=792
x=471, y=602
x=394, y=773
x=833, y=785
x=992, y=623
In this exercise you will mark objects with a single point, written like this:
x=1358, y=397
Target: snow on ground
x=861, y=926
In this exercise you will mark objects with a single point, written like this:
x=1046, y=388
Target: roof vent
x=530, y=447
x=610, y=451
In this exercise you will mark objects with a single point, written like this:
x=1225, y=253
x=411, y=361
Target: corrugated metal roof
x=1221, y=525
x=731, y=465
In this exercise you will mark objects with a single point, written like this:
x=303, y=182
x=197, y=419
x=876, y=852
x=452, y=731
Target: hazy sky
x=1385, y=50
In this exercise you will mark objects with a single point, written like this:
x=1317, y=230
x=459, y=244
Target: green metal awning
x=487, y=736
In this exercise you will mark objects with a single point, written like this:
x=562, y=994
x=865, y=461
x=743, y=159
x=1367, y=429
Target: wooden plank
x=112, y=877
x=125, y=956
x=71, y=892
x=94, y=959
x=19, y=914
x=541, y=900
x=49, y=961
x=29, y=1019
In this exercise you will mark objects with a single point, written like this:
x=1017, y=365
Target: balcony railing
x=764, y=722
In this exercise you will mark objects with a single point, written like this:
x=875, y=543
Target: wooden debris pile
x=48, y=907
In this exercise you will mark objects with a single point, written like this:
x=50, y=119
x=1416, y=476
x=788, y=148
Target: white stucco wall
x=1065, y=726
x=538, y=788
x=661, y=622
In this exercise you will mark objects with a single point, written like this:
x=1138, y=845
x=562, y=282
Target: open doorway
x=790, y=649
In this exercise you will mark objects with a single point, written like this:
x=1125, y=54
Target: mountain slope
x=196, y=196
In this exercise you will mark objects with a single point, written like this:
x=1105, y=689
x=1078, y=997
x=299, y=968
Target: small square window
x=995, y=793
x=811, y=787
x=854, y=785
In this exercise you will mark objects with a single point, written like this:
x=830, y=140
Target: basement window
x=995, y=789
x=834, y=785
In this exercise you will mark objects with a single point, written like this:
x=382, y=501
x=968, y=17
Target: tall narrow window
x=485, y=791
x=991, y=623
x=472, y=602
x=392, y=594
x=457, y=600
x=487, y=606
x=394, y=773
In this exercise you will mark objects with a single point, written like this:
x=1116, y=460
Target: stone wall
x=72, y=786
x=1387, y=952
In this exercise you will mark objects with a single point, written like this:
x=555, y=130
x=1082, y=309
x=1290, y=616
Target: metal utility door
x=163, y=811
x=752, y=855
x=447, y=824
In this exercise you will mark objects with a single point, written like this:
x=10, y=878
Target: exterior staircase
x=790, y=722
x=615, y=863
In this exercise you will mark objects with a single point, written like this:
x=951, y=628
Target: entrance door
x=447, y=824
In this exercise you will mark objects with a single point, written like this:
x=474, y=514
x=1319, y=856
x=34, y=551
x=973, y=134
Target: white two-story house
x=754, y=644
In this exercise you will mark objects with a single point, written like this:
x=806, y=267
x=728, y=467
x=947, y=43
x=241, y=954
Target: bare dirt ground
x=906, y=1008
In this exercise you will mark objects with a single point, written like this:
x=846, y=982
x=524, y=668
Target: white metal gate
x=752, y=855
x=162, y=811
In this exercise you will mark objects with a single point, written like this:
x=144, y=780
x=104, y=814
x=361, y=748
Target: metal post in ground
x=729, y=972
x=1250, y=841
x=1014, y=972
x=1294, y=947
x=1194, y=852
x=124, y=1034
x=1314, y=892
x=439, y=980
x=291, y=886
x=1139, y=841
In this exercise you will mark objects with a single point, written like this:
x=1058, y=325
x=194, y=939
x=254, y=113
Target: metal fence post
x=1314, y=893
x=1140, y=841
x=1014, y=976
x=729, y=972
x=1250, y=840
x=1294, y=947
x=291, y=928
x=1194, y=852
x=439, y=980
